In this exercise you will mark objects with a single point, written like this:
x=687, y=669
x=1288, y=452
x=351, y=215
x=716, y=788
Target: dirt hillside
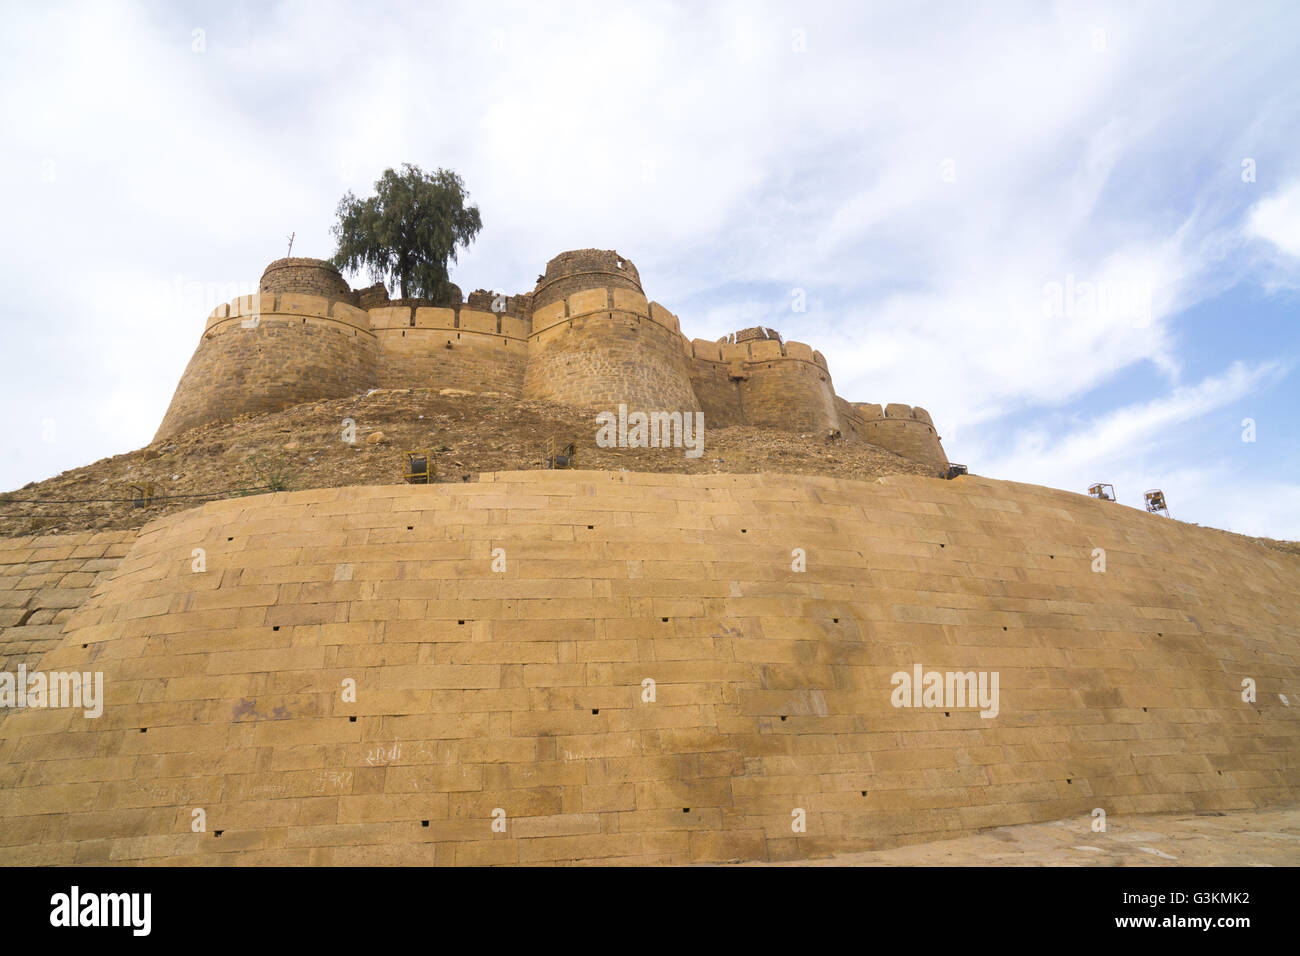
x=303, y=447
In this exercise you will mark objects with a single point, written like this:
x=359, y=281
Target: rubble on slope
x=466, y=434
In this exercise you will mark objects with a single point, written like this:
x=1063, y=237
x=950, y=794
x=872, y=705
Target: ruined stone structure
x=586, y=335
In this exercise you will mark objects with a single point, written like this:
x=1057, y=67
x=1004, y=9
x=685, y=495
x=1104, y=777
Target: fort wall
x=263, y=353
x=902, y=429
x=786, y=385
x=773, y=690
x=450, y=348
x=716, y=384
x=586, y=335
x=608, y=345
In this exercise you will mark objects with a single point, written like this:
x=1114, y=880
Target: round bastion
x=308, y=276
x=580, y=269
x=596, y=341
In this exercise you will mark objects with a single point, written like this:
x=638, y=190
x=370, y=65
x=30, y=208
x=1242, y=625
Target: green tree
x=408, y=231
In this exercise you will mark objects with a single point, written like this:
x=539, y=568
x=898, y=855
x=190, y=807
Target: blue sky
x=926, y=174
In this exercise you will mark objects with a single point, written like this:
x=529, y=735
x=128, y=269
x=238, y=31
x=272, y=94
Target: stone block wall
x=43, y=580
x=525, y=690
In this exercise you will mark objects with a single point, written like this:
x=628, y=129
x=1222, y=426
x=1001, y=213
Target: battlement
x=587, y=335
x=583, y=269
x=870, y=412
x=904, y=429
x=317, y=276
x=250, y=311
x=755, y=350
x=748, y=335
x=486, y=300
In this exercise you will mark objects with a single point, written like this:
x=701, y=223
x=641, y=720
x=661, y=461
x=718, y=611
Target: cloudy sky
x=1070, y=231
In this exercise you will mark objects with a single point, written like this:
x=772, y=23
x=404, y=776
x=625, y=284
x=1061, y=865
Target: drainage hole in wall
x=84, y=646
x=410, y=527
x=1068, y=780
x=596, y=710
x=352, y=720
x=1144, y=710
x=590, y=526
x=230, y=539
x=744, y=531
x=835, y=620
x=424, y=823
x=686, y=809
x=1004, y=627
x=144, y=730
x=217, y=833
x=664, y=619
x=783, y=716
x=864, y=793
x=946, y=714
x=276, y=627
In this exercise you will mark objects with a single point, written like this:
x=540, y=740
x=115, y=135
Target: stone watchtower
x=597, y=341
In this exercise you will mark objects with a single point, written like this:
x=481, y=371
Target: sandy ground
x=1233, y=838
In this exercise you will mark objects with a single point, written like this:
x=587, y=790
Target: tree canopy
x=408, y=231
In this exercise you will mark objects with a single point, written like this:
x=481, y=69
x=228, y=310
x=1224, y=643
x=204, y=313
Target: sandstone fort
x=556, y=666
x=586, y=335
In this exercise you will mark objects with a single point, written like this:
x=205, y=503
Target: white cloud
x=1143, y=445
x=1059, y=457
x=1277, y=219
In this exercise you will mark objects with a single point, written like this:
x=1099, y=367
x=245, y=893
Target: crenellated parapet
x=903, y=429
x=596, y=340
x=583, y=269
x=761, y=380
x=586, y=335
x=265, y=352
